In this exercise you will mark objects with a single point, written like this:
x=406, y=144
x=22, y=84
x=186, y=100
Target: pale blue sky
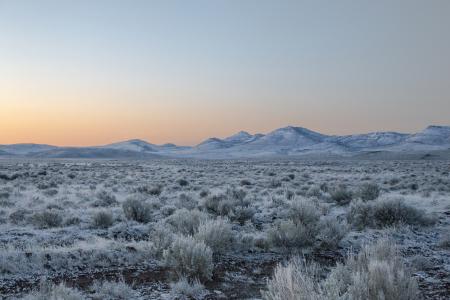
x=90, y=72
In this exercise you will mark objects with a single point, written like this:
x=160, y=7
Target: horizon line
x=212, y=137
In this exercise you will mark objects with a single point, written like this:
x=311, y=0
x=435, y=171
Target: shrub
x=218, y=204
x=167, y=210
x=113, y=290
x=150, y=190
x=185, y=289
x=217, y=234
x=50, y=192
x=385, y=212
x=103, y=220
x=369, y=191
x=342, y=195
x=187, y=201
x=303, y=211
x=295, y=281
x=182, y=182
x=231, y=204
x=286, y=234
x=47, y=219
x=186, y=221
x=137, y=210
x=394, y=211
x=189, y=258
x=50, y=291
x=301, y=227
x=331, y=233
x=274, y=183
x=204, y=193
x=161, y=237
x=105, y=199
x=360, y=215
x=245, y=182
x=19, y=216
x=242, y=214
x=375, y=273
x=236, y=194
x=445, y=241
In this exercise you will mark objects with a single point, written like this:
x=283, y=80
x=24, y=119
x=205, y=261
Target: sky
x=91, y=72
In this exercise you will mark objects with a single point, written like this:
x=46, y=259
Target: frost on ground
x=192, y=229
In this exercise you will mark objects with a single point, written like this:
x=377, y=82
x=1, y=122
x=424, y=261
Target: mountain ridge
x=285, y=141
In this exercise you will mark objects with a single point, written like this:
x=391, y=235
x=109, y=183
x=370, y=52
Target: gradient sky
x=93, y=72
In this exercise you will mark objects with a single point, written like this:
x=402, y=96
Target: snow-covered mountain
x=215, y=144
x=133, y=145
x=432, y=135
x=25, y=149
x=144, y=147
x=372, y=140
x=286, y=141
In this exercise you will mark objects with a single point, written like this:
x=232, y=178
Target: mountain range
x=283, y=142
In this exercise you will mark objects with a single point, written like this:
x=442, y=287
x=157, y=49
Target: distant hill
x=432, y=142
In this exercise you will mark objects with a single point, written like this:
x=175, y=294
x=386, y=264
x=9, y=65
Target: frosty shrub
x=231, y=204
x=242, y=214
x=103, y=219
x=331, y=233
x=50, y=291
x=314, y=192
x=189, y=257
x=304, y=211
x=375, y=273
x=445, y=241
x=185, y=289
x=4, y=195
x=360, y=215
x=245, y=182
x=167, y=210
x=217, y=204
x=186, y=221
x=150, y=190
x=104, y=199
x=110, y=290
x=137, y=210
x=50, y=192
x=286, y=234
x=301, y=227
x=295, y=281
x=47, y=219
x=217, y=234
x=182, y=182
x=385, y=212
x=369, y=191
x=204, y=193
x=187, y=201
x=19, y=217
x=341, y=195
x=274, y=183
x=161, y=237
x=236, y=194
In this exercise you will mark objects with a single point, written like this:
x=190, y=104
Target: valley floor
x=194, y=229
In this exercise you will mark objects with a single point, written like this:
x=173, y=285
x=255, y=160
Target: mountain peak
x=438, y=128
x=241, y=135
x=136, y=141
x=293, y=130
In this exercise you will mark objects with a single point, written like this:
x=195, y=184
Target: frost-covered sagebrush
x=189, y=257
